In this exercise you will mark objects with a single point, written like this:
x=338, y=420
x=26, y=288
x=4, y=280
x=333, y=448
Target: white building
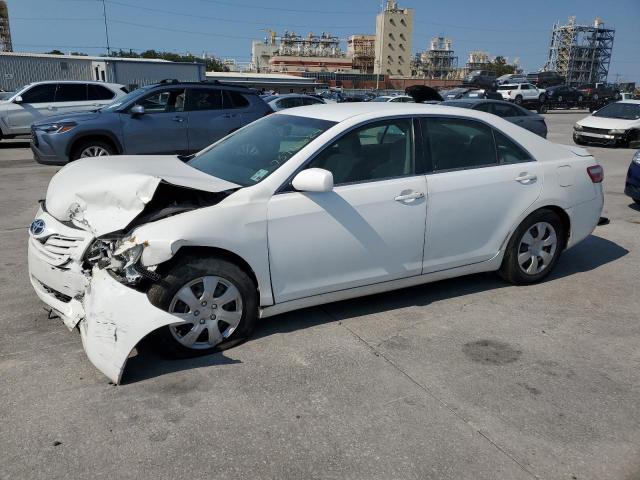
x=394, y=38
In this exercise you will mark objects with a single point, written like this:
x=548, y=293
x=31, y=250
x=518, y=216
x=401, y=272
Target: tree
x=501, y=67
x=55, y=52
x=211, y=63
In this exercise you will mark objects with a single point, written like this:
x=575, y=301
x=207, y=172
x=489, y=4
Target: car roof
x=635, y=102
x=93, y=82
x=340, y=112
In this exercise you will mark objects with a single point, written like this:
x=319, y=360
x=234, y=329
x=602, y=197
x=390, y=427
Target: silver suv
x=36, y=101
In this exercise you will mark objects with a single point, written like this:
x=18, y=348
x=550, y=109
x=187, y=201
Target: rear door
x=237, y=110
x=162, y=129
x=207, y=118
x=37, y=104
x=480, y=183
x=72, y=97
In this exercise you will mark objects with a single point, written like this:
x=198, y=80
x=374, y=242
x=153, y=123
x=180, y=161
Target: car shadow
x=16, y=144
x=589, y=255
x=634, y=206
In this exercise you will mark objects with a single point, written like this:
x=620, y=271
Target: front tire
x=534, y=249
x=92, y=148
x=518, y=100
x=215, y=303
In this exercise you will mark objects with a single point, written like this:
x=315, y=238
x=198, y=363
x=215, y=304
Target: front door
x=477, y=190
x=38, y=102
x=161, y=129
x=369, y=229
x=207, y=119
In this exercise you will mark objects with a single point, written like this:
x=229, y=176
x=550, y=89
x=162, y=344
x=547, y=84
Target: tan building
x=394, y=34
x=362, y=50
x=298, y=63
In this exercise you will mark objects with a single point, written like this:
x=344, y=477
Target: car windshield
x=123, y=100
x=457, y=103
x=251, y=154
x=381, y=99
x=623, y=111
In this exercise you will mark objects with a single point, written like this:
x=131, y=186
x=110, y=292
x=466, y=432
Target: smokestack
x=5, y=31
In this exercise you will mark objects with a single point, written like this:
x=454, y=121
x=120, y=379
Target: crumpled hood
x=105, y=194
x=608, y=123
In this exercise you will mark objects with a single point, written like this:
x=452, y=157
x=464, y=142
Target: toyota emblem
x=37, y=226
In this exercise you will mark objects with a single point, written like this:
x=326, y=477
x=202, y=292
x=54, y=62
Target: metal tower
x=581, y=53
x=5, y=32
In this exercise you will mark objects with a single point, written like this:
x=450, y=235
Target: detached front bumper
x=112, y=317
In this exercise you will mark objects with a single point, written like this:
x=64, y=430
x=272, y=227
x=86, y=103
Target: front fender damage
x=116, y=319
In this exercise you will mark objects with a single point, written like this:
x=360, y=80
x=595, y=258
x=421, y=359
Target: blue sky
x=225, y=27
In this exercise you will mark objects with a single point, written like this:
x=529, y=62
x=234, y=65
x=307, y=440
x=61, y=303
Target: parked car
x=39, y=100
x=512, y=78
x=545, y=79
x=520, y=93
x=481, y=79
x=616, y=124
x=394, y=98
x=281, y=102
x=512, y=113
x=302, y=207
x=600, y=92
x=482, y=93
x=632, y=185
x=564, y=96
x=455, y=93
x=173, y=117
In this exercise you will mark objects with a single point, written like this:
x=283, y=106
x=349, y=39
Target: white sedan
x=300, y=208
x=616, y=124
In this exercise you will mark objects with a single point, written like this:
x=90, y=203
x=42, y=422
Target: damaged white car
x=312, y=205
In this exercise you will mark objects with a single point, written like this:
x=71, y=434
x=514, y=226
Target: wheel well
x=102, y=138
x=566, y=221
x=212, y=252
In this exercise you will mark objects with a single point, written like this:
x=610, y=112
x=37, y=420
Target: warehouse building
x=18, y=69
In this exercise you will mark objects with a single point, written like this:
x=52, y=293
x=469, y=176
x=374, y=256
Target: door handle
x=51, y=107
x=178, y=119
x=526, y=178
x=409, y=197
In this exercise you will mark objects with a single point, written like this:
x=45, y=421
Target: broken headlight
x=120, y=256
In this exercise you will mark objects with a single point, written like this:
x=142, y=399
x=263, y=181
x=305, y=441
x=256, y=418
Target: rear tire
x=534, y=248
x=92, y=148
x=216, y=300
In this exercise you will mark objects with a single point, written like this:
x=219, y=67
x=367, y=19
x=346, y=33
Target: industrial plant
x=5, y=30
x=581, y=53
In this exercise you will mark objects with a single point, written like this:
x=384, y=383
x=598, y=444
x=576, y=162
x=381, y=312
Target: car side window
x=204, y=99
x=483, y=107
x=98, y=92
x=509, y=151
x=454, y=143
x=71, y=92
x=163, y=101
x=373, y=152
x=40, y=94
x=234, y=100
x=524, y=87
x=505, y=110
x=310, y=101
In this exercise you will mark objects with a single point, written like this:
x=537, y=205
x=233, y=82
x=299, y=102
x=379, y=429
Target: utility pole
x=106, y=26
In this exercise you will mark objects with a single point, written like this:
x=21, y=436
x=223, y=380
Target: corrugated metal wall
x=16, y=72
x=137, y=74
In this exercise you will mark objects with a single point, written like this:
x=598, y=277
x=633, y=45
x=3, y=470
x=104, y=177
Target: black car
x=545, y=79
x=564, y=96
x=481, y=79
x=510, y=112
x=600, y=92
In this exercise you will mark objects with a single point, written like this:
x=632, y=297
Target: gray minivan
x=166, y=118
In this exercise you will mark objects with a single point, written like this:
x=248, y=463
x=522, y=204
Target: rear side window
x=98, y=92
x=40, y=94
x=504, y=110
x=204, y=99
x=71, y=92
x=234, y=100
x=508, y=151
x=289, y=102
x=454, y=144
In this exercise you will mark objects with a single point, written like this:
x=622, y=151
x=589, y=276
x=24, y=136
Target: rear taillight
x=596, y=173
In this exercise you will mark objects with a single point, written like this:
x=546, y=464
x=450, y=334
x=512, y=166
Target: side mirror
x=137, y=110
x=313, y=180
x=18, y=99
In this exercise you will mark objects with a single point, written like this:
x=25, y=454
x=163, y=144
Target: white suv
x=38, y=100
x=522, y=92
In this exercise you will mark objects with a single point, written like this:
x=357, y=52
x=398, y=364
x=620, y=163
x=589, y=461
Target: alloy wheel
x=210, y=308
x=94, y=151
x=537, y=248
